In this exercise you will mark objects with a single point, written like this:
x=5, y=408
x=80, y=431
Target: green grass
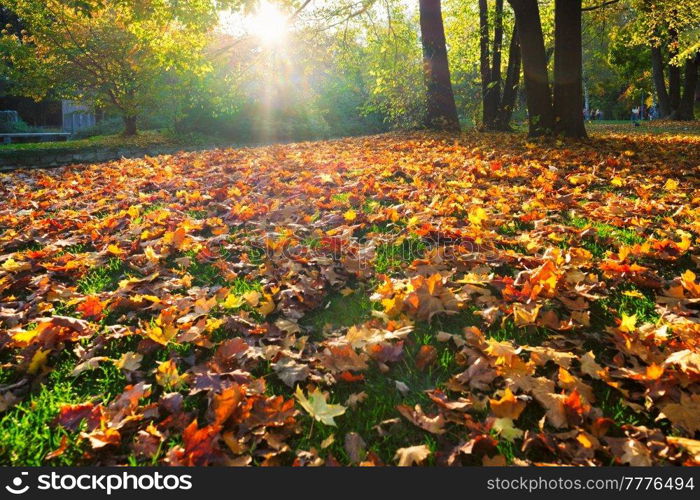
x=206, y=274
x=103, y=278
x=341, y=197
x=521, y=335
x=198, y=214
x=604, y=311
x=380, y=405
x=77, y=249
x=515, y=227
x=27, y=434
x=607, y=231
x=660, y=127
x=27, y=431
x=339, y=311
x=392, y=258
x=611, y=404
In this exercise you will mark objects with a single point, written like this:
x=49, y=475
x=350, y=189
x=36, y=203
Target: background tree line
x=356, y=66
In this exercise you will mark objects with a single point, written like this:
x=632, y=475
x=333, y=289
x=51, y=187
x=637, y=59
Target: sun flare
x=268, y=24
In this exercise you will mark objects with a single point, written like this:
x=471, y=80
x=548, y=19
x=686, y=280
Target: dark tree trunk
x=510, y=86
x=442, y=111
x=685, y=108
x=489, y=93
x=496, y=79
x=497, y=45
x=129, y=126
x=657, y=70
x=568, y=69
x=674, y=75
x=674, y=87
x=534, y=59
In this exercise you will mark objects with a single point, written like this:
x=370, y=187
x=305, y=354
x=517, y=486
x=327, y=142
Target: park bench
x=42, y=136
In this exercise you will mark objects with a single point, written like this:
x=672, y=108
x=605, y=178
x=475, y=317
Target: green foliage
x=116, y=55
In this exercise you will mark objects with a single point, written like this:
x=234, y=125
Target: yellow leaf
x=268, y=306
x=477, y=216
x=168, y=376
x=115, y=250
x=213, y=323
x=38, y=361
x=617, y=182
x=350, y=215
x=316, y=406
x=506, y=429
x=11, y=265
x=671, y=185
x=628, y=323
x=328, y=441
x=525, y=315
x=234, y=301
x=151, y=255
x=161, y=335
x=25, y=337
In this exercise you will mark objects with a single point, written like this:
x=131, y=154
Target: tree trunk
x=130, y=129
x=657, y=70
x=674, y=75
x=510, y=86
x=442, y=111
x=534, y=58
x=497, y=44
x=489, y=93
x=568, y=69
x=686, y=107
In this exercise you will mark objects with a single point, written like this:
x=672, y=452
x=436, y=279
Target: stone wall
x=56, y=158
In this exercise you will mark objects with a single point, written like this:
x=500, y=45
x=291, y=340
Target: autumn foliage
x=554, y=285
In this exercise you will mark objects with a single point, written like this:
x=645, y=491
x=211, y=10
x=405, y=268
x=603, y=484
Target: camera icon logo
x=16, y=488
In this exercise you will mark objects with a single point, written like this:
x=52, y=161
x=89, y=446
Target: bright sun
x=268, y=24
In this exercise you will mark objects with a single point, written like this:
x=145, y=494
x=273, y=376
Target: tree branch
x=599, y=6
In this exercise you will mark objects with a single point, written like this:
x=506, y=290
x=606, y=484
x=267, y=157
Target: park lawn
x=655, y=127
x=143, y=139
x=402, y=298
x=106, y=147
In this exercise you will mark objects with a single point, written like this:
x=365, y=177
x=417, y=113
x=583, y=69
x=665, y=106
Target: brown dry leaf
x=415, y=415
x=685, y=414
x=290, y=372
x=355, y=447
x=427, y=355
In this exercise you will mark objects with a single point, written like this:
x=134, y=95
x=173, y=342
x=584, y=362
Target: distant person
x=598, y=114
x=635, y=114
x=652, y=112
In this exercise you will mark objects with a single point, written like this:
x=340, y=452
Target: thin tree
x=498, y=97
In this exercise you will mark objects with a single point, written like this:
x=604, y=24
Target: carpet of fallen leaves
x=399, y=299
